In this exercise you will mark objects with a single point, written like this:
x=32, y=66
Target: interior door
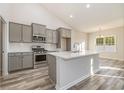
x=0, y=48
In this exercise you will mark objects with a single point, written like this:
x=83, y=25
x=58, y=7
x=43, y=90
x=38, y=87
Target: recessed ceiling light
x=71, y=16
x=87, y=5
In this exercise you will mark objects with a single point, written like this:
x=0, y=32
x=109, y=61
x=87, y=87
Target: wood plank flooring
x=110, y=77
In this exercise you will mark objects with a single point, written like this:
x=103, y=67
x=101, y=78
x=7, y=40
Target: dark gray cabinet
x=27, y=33
x=20, y=61
x=15, y=32
x=39, y=29
x=20, y=33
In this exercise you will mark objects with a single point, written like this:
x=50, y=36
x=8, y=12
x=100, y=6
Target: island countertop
x=72, y=54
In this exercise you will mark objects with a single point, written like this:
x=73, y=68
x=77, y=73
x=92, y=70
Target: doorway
x=2, y=22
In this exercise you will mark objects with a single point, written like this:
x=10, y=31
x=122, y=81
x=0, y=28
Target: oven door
x=40, y=58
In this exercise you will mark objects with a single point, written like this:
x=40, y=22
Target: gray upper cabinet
x=49, y=36
x=55, y=36
x=27, y=60
x=27, y=33
x=63, y=33
x=39, y=29
x=36, y=29
x=20, y=33
x=42, y=30
x=66, y=33
x=15, y=32
x=64, y=38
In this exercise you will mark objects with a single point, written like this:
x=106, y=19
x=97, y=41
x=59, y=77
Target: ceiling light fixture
x=87, y=5
x=71, y=16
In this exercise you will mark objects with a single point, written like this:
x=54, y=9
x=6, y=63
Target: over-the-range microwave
x=38, y=38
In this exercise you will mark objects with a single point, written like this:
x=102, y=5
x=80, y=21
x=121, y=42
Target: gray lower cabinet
x=15, y=62
x=52, y=67
x=26, y=34
x=27, y=60
x=20, y=61
x=15, y=32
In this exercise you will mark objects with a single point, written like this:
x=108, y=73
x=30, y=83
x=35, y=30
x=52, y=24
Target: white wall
x=34, y=13
x=79, y=37
x=119, y=33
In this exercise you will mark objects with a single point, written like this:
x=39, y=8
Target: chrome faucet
x=76, y=46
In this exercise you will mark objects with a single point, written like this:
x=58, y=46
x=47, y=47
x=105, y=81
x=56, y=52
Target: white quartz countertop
x=72, y=54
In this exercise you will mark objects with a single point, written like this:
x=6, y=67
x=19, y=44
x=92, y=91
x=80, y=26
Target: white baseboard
x=95, y=71
x=112, y=58
x=75, y=82
x=72, y=83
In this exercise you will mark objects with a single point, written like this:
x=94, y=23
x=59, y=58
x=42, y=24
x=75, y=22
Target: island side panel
x=95, y=63
x=72, y=71
x=52, y=67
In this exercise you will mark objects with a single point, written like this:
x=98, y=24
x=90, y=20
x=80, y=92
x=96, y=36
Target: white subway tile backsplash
x=27, y=47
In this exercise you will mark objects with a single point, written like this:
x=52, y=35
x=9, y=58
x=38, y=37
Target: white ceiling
x=84, y=19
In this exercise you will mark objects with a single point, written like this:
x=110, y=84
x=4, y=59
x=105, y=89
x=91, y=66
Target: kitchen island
x=69, y=68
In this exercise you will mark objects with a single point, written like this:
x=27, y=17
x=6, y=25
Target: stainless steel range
x=39, y=56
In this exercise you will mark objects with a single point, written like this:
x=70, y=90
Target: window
x=100, y=41
x=110, y=40
x=106, y=44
